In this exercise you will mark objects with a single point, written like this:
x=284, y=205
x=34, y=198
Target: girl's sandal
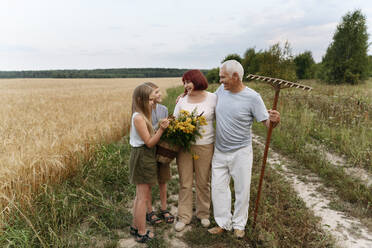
x=133, y=231
x=143, y=238
x=166, y=216
x=152, y=218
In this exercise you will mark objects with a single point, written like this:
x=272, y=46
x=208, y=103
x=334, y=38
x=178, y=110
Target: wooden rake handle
x=264, y=159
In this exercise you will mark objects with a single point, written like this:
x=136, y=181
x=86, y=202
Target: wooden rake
x=277, y=84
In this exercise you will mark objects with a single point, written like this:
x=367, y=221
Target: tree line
x=98, y=73
x=346, y=59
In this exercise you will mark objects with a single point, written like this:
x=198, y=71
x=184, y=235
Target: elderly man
x=237, y=107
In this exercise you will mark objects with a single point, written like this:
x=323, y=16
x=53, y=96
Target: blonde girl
x=142, y=163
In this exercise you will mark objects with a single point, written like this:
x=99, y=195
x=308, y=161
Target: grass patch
x=338, y=117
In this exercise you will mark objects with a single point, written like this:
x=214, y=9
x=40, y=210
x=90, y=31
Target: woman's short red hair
x=197, y=78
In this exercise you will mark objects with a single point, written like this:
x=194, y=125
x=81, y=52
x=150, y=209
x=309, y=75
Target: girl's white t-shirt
x=207, y=106
x=134, y=138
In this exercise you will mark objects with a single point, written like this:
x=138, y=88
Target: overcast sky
x=88, y=34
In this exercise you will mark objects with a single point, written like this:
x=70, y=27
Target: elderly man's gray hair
x=232, y=66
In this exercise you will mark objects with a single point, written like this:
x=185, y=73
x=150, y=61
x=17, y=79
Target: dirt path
x=348, y=231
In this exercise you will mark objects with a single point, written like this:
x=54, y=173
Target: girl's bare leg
x=149, y=202
x=163, y=195
x=142, y=192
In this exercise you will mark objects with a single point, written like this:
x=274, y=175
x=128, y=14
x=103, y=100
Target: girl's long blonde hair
x=152, y=85
x=140, y=104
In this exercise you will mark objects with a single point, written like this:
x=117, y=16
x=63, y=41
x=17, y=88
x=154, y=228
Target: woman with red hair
x=199, y=159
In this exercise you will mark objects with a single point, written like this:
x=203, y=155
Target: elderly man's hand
x=274, y=116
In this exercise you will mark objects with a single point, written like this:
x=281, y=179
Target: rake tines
x=276, y=82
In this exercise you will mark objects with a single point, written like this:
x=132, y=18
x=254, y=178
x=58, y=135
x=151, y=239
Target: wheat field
x=49, y=125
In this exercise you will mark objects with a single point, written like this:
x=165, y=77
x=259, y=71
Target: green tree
x=304, y=65
x=213, y=75
x=233, y=56
x=346, y=59
x=251, y=61
x=277, y=62
x=370, y=65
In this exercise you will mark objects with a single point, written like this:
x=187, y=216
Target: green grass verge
x=334, y=116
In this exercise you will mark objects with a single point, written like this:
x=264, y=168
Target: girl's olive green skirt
x=143, y=165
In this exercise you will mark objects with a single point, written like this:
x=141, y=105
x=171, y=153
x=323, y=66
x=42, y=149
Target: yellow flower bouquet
x=181, y=133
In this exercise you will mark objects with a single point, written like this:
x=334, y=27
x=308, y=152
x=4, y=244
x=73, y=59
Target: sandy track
x=349, y=232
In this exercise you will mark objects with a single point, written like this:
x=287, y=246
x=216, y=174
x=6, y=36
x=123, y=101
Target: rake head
x=278, y=83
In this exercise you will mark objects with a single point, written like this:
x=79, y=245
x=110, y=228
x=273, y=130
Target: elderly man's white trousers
x=238, y=165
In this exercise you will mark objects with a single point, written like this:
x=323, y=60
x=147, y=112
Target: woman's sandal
x=133, y=231
x=143, y=238
x=152, y=218
x=166, y=216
